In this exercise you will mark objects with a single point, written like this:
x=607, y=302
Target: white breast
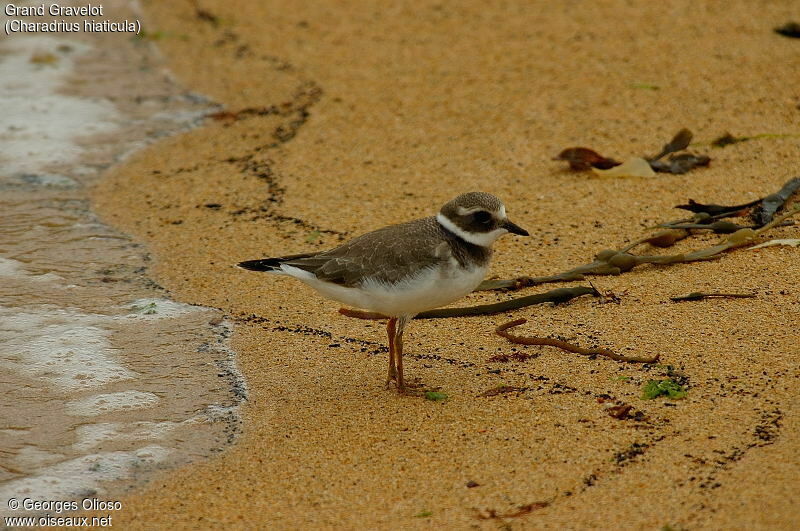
x=431, y=288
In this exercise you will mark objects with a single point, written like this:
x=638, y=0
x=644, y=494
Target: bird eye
x=483, y=217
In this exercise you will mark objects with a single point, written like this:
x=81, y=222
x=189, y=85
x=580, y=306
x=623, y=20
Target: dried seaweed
x=790, y=29
x=738, y=239
x=502, y=331
x=704, y=221
x=613, y=262
x=360, y=314
x=789, y=242
x=715, y=210
x=765, y=209
x=580, y=158
x=679, y=142
x=728, y=139
x=698, y=296
x=606, y=262
x=663, y=239
x=764, y=212
x=583, y=158
x=679, y=164
x=556, y=296
x=720, y=227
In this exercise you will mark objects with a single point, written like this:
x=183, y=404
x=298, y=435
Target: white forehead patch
x=467, y=211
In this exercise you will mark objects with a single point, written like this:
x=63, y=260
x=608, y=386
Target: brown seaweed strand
x=521, y=340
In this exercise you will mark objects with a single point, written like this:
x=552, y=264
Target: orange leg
x=398, y=351
x=391, y=330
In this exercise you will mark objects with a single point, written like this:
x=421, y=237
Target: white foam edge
x=41, y=125
x=103, y=403
x=77, y=477
x=69, y=349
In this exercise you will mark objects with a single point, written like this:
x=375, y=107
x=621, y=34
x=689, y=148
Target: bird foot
x=409, y=388
x=414, y=383
x=412, y=390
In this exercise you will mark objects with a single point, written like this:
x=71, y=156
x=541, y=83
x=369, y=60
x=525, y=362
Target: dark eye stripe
x=482, y=216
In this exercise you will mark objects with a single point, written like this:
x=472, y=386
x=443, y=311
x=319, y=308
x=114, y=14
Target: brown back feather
x=385, y=254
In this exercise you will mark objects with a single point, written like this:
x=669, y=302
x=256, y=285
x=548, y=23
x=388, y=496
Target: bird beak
x=513, y=228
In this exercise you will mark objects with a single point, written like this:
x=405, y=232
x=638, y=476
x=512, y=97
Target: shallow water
x=103, y=378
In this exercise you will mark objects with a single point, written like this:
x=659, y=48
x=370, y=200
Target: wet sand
x=104, y=380
x=355, y=117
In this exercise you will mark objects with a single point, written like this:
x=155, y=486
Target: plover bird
x=402, y=270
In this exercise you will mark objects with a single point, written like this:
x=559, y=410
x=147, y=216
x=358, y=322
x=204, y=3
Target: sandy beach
x=342, y=117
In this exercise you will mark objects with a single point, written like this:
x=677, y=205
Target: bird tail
x=270, y=264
